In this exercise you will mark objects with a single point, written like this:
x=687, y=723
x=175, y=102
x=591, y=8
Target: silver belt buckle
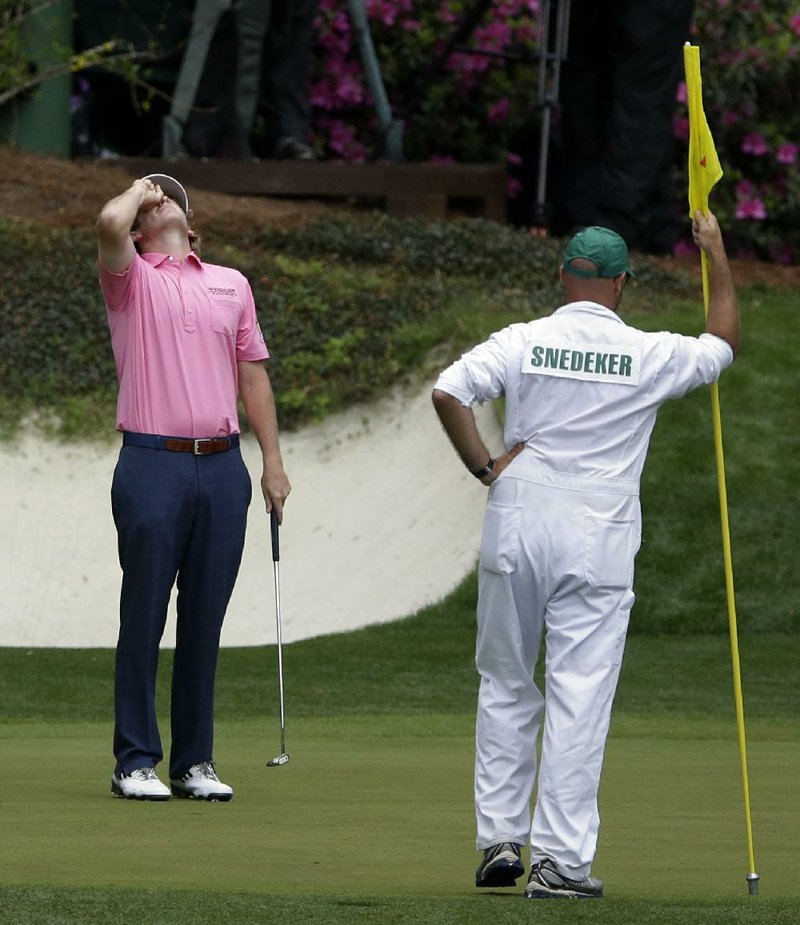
x=197, y=443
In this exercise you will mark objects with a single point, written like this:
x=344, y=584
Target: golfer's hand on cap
x=501, y=462
x=275, y=487
x=152, y=194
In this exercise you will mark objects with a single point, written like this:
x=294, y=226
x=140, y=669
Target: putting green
x=363, y=798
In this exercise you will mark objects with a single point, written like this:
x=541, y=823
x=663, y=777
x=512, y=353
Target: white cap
x=171, y=187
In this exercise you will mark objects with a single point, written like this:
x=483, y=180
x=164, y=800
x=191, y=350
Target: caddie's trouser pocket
x=500, y=539
x=611, y=546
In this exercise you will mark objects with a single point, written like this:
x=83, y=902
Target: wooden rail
x=431, y=189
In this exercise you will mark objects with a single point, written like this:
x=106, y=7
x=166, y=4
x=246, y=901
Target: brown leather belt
x=204, y=446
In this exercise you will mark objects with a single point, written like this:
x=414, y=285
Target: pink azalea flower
x=494, y=37
x=787, y=153
x=744, y=189
x=751, y=208
x=525, y=33
x=684, y=247
x=755, y=144
x=498, y=113
x=514, y=160
x=794, y=23
x=513, y=188
x=337, y=66
x=349, y=91
x=335, y=45
x=321, y=94
x=730, y=118
x=681, y=96
x=467, y=65
x=446, y=14
x=341, y=140
x=680, y=127
x=340, y=22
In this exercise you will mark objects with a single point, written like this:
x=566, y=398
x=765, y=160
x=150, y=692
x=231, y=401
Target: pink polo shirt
x=178, y=329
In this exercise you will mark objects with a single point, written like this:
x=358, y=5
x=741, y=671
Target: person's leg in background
x=617, y=95
x=583, y=116
x=635, y=197
x=286, y=77
x=252, y=24
x=205, y=19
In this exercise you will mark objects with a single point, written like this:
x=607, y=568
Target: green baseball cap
x=604, y=248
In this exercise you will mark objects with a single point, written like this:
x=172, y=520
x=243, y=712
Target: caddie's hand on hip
x=501, y=462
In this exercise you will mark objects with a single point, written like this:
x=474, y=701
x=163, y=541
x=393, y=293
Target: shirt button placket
x=189, y=317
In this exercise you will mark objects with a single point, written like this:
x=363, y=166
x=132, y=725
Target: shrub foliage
x=350, y=305
x=476, y=105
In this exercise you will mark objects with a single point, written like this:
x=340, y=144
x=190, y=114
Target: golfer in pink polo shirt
x=186, y=344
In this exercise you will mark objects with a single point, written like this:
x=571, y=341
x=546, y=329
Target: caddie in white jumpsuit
x=561, y=530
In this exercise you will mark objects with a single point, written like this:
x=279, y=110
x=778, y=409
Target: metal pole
x=276, y=556
x=548, y=97
x=391, y=128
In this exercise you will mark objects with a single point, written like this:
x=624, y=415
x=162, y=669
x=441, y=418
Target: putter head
x=277, y=762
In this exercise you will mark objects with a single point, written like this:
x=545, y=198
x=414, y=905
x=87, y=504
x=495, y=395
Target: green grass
x=68, y=906
x=680, y=567
x=350, y=307
x=413, y=667
x=340, y=830
x=380, y=728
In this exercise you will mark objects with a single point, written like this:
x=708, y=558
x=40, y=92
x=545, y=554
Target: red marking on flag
x=703, y=162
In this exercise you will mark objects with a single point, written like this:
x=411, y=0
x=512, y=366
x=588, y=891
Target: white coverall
x=561, y=530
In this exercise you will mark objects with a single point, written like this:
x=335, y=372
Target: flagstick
x=704, y=171
x=752, y=877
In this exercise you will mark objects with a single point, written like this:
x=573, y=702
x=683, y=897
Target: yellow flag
x=704, y=166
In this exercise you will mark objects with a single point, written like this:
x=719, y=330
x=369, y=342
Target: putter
x=276, y=558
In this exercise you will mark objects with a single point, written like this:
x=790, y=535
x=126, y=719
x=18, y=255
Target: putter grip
x=273, y=526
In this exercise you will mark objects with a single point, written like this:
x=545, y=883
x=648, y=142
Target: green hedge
x=349, y=306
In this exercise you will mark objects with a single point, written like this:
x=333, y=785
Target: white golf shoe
x=140, y=784
x=200, y=782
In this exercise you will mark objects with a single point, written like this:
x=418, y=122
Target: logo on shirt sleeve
x=592, y=362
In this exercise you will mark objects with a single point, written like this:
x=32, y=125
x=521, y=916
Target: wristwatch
x=484, y=470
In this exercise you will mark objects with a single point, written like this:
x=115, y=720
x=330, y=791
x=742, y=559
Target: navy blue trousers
x=180, y=518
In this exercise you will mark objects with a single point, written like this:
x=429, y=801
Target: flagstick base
x=752, y=884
